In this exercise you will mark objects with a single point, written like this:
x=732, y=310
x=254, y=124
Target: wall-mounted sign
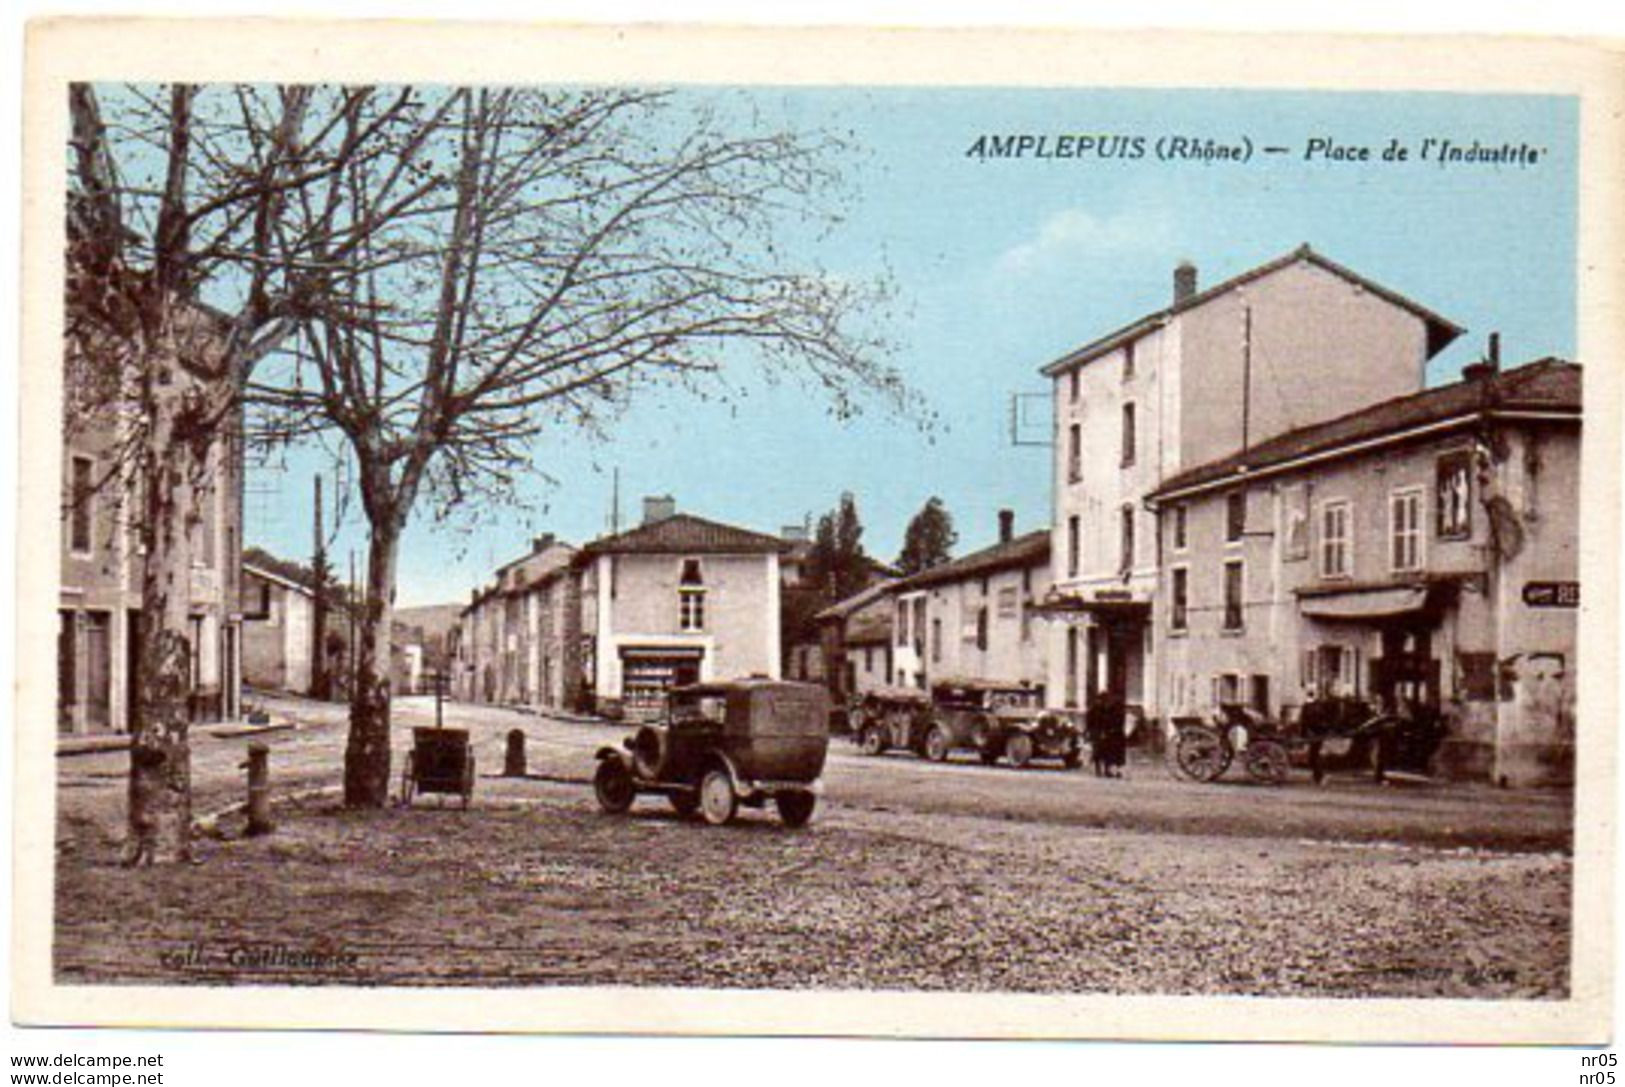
x=1551, y=594
x=1113, y=594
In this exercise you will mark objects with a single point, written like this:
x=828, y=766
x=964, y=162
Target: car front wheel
x=718, y=803
x=795, y=808
x=874, y=741
x=937, y=743
x=612, y=784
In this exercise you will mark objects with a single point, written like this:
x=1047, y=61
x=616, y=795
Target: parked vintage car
x=725, y=744
x=996, y=720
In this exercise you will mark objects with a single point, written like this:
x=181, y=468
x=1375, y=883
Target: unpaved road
x=911, y=876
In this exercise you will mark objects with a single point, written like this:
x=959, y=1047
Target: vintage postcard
x=971, y=534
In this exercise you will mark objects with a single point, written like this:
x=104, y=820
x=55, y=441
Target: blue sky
x=1004, y=264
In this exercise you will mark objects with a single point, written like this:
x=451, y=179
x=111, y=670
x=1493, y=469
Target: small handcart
x=441, y=761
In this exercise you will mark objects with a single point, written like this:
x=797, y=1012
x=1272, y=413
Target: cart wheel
x=1266, y=761
x=718, y=803
x=612, y=784
x=1200, y=753
x=872, y=741
x=684, y=804
x=1019, y=748
x=937, y=743
x=795, y=808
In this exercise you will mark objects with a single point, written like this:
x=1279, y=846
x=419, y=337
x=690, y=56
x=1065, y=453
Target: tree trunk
x=366, y=756
x=171, y=464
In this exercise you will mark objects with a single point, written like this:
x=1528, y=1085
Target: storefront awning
x=1366, y=603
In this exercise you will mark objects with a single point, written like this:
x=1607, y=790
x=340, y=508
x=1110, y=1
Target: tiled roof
x=870, y=628
x=858, y=600
x=1022, y=551
x=684, y=533
x=1550, y=385
x=1440, y=331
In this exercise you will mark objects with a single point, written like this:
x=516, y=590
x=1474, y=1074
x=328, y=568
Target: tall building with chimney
x=1285, y=345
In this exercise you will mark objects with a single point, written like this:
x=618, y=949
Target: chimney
x=658, y=508
x=1184, y=282
x=1007, y=526
x=541, y=543
x=1488, y=366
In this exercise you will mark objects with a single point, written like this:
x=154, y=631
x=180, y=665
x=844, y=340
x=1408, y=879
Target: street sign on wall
x=1551, y=594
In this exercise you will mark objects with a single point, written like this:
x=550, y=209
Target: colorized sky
x=1004, y=263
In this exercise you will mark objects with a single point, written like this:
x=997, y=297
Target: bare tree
x=184, y=274
x=591, y=244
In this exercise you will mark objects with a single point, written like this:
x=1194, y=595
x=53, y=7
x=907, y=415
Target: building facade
x=278, y=631
x=1421, y=554
x=100, y=563
x=518, y=640
x=855, y=643
x=1285, y=345
x=974, y=617
x=678, y=599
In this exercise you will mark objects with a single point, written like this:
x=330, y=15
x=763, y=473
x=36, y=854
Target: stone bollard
x=513, y=765
x=259, y=789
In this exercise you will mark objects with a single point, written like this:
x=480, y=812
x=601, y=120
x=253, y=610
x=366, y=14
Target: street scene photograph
x=925, y=539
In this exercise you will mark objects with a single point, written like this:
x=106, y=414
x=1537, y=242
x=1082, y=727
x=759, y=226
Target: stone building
x=675, y=600
x=973, y=617
x=1285, y=345
x=1422, y=551
x=518, y=641
x=100, y=564
x=855, y=642
x=278, y=631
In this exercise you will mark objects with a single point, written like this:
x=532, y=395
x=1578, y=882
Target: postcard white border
x=60, y=51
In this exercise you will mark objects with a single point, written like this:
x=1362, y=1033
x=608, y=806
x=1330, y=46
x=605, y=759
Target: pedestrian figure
x=1095, y=731
x=1111, y=748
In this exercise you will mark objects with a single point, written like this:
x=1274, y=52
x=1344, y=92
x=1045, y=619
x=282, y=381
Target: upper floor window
x=902, y=622
x=981, y=628
x=1074, y=453
x=936, y=640
x=1125, y=560
x=1336, y=546
x=1075, y=381
x=1405, y=529
x=1234, y=583
x=1180, y=529
x=1074, y=530
x=1128, y=434
x=1128, y=360
x=81, y=501
x=1454, y=494
x=691, y=597
x=1179, y=603
x=1235, y=516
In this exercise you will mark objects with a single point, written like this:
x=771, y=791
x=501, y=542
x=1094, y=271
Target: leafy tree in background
x=929, y=540
x=838, y=565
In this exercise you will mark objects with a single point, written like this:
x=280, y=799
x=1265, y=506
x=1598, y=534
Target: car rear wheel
x=937, y=743
x=873, y=740
x=795, y=808
x=1019, y=748
x=718, y=802
x=612, y=784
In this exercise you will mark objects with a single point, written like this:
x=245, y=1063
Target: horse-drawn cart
x=1328, y=734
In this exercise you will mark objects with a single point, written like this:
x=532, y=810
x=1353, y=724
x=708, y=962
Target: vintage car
x=996, y=720
x=725, y=744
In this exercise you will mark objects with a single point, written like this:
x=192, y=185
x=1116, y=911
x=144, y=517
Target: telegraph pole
x=321, y=685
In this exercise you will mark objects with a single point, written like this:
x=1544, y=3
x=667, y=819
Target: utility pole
x=1246, y=376
x=615, y=503
x=321, y=685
